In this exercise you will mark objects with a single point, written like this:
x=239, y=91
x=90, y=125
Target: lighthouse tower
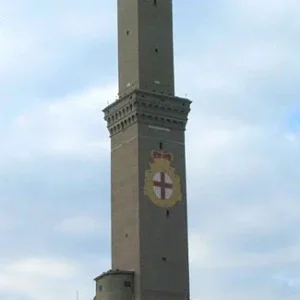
x=148, y=174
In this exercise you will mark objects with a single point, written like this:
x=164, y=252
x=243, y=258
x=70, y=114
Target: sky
x=238, y=61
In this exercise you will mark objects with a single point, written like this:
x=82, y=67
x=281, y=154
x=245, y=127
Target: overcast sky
x=238, y=60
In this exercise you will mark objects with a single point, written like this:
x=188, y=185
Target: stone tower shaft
x=145, y=46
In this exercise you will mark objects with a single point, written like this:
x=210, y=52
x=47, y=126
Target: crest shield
x=162, y=185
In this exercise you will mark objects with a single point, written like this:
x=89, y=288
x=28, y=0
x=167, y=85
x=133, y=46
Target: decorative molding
x=159, y=128
x=154, y=109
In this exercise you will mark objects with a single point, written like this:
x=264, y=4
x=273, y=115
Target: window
x=164, y=258
x=167, y=213
x=160, y=145
x=100, y=288
x=127, y=283
x=155, y=2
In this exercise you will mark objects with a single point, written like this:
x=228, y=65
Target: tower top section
x=145, y=46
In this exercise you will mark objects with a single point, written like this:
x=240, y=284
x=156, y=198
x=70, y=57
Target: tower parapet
x=146, y=107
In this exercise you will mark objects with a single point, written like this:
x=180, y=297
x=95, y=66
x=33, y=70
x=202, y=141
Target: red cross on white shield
x=162, y=185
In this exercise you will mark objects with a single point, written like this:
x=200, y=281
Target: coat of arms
x=162, y=185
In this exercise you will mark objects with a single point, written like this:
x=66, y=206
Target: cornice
x=146, y=107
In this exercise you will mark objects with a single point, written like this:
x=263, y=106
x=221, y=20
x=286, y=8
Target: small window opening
x=127, y=283
x=126, y=235
x=161, y=146
x=156, y=50
x=164, y=258
x=127, y=32
x=167, y=213
x=155, y=2
x=100, y=288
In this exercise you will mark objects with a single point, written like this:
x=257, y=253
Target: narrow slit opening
x=167, y=213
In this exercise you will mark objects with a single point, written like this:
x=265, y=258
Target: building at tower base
x=115, y=285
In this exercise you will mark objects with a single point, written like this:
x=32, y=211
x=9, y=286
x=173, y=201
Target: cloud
x=33, y=278
x=31, y=273
x=267, y=10
x=44, y=54
x=61, y=126
x=41, y=267
x=205, y=254
x=6, y=222
x=83, y=225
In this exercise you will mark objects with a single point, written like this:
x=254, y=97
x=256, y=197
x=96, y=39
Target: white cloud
x=87, y=25
x=293, y=138
x=6, y=222
x=268, y=10
x=29, y=275
x=36, y=278
x=18, y=51
x=206, y=253
x=66, y=126
x=83, y=225
x=42, y=267
x=33, y=40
